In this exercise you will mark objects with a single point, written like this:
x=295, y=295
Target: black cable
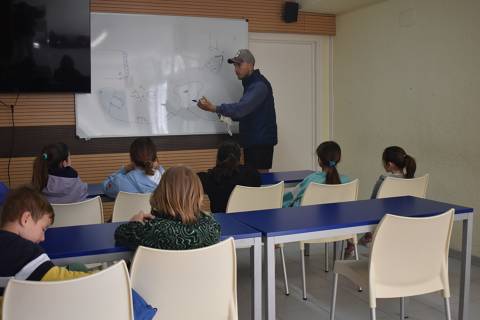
x=12, y=141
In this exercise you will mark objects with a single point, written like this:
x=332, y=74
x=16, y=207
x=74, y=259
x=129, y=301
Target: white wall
x=408, y=73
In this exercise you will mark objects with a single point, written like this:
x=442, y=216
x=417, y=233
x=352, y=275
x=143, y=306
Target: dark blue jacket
x=255, y=111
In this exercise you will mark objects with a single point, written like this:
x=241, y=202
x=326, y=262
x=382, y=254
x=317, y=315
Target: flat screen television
x=45, y=46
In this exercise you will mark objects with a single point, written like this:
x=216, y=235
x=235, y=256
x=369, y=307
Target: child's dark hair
x=25, y=199
x=228, y=160
x=401, y=159
x=49, y=158
x=329, y=154
x=143, y=153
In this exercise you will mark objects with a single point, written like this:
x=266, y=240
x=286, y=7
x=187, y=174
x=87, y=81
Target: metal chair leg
x=342, y=252
x=356, y=250
x=335, y=244
x=287, y=292
x=326, y=257
x=334, y=297
x=373, y=315
x=304, y=283
x=402, y=308
x=360, y=289
x=447, y=309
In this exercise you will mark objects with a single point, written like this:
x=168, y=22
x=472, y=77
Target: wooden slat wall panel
x=262, y=15
x=95, y=168
x=108, y=210
x=39, y=110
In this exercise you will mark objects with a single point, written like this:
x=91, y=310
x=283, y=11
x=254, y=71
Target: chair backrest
x=397, y=187
x=255, y=198
x=128, y=204
x=329, y=193
x=188, y=284
x=410, y=256
x=103, y=295
x=89, y=211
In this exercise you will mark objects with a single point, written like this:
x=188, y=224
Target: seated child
x=25, y=217
x=397, y=163
x=329, y=154
x=175, y=222
x=143, y=173
x=219, y=182
x=54, y=176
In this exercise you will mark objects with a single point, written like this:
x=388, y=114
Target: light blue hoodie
x=294, y=198
x=133, y=181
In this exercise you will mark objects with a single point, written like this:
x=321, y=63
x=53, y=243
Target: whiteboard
x=147, y=69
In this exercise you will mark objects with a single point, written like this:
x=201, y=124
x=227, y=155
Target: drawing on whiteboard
x=214, y=64
x=142, y=120
x=113, y=103
x=180, y=102
x=115, y=64
x=142, y=95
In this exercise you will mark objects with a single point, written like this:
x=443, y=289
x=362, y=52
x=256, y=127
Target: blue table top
x=95, y=189
x=287, y=176
x=97, y=239
x=277, y=222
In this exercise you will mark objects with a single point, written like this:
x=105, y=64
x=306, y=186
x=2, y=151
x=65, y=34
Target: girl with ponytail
x=397, y=163
x=219, y=181
x=55, y=178
x=141, y=175
x=329, y=155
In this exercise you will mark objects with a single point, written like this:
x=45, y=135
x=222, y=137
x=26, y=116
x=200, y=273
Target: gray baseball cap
x=243, y=55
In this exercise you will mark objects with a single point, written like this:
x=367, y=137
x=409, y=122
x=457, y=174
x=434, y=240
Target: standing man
x=255, y=112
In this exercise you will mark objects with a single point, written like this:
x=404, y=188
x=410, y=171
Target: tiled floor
x=351, y=304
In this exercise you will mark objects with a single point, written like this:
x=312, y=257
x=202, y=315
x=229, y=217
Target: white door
x=290, y=64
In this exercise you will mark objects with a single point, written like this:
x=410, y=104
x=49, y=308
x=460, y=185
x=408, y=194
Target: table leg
x=256, y=276
x=463, y=312
x=269, y=264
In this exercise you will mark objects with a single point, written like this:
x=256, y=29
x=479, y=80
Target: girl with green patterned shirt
x=176, y=221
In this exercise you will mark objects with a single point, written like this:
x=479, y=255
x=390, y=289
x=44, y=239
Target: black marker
x=194, y=100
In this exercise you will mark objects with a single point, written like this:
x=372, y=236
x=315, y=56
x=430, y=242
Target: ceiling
x=334, y=6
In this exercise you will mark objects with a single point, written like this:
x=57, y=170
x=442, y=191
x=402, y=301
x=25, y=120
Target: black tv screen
x=45, y=46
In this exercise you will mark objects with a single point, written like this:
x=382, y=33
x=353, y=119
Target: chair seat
x=329, y=240
x=356, y=271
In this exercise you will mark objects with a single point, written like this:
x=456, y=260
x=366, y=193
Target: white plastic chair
x=89, y=211
x=245, y=198
x=128, y=204
x=418, y=264
x=102, y=295
x=255, y=198
x=397, y=187
x=188, y=284
x=328, y=193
